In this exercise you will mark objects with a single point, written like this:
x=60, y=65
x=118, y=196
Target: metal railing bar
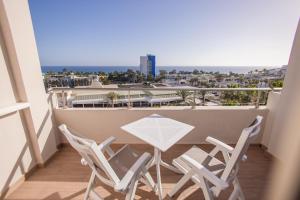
x=60, y=89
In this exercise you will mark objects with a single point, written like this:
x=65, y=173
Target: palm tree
x=177, y=78
x=194, y=81
x=64, y=70
x=162, y=73
x=203, y=93
x=183, y=94
x=112, y=96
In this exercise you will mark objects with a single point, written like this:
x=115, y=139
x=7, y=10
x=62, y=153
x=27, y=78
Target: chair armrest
x=83, y=162
x=220, y=145
x=204, y=172
x=133, y=172
x=105, y=146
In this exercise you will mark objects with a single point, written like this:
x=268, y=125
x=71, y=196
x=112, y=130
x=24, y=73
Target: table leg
x=158, y=162
x=163, y=163
x=170, y=167
x=153, y=161
x=157, y=158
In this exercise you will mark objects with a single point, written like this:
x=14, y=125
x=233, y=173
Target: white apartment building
x=144, y=65
x=147, y=65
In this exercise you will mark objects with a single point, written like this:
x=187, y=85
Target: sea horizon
x=109, y=69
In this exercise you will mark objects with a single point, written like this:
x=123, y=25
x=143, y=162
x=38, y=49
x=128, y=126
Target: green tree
x=229, y=102
x=112, y=96
x=277, y=84
x=178, y=77
x=105, y=81
x=150, y=78
x=219, y=77
x=230, y=97
x=131, y=75
x=239, y=97
x=173, y=71
x=194, y=81
x=203, y=93
x=196, y=71
x=102, y=73
x=158, y=79
x=140, y=77
x=184, y=94
x=162, y=73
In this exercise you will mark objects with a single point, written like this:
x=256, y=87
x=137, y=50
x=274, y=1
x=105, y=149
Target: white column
x=285, y=136
x=24, y=64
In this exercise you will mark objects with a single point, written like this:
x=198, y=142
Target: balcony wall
x=285, y=139
x=27, y=137
x=224, y=123
x=17, y=157
x=272, y=106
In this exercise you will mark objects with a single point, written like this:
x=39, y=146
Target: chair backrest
x=248, y=135
x=91, y=153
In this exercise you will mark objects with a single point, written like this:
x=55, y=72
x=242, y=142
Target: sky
x=178, y=32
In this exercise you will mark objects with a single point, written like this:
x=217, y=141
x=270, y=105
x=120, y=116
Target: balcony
x=37, y=163
x=64, y=178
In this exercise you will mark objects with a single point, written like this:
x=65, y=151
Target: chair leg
x=132, y=189
x=95, y=196
x=206, y=190
x=149, y=181
x=90, y=186
x=180, y=183
x=234, y=195
x=237, y=192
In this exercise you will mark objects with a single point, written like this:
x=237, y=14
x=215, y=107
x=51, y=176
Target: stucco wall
x=26, y=137
x=272, y=106
x=286, y=123
x=24, y=56
x=224, y=123
x=285, y=139
x=16, y=156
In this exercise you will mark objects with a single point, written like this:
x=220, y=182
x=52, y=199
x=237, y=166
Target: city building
x=137, y=98
x=147, y=65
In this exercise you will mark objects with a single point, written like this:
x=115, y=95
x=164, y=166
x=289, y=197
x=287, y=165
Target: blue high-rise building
x=147, y=65
x=151, y=64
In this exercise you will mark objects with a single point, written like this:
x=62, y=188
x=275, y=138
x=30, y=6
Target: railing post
x=63, y=98
x=129, y=102
x=54, y=100
x=194, y=100
x=265, y=97
x=258, y=98
x=203, y=97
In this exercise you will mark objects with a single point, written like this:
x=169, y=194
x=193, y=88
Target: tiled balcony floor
x=65, y=178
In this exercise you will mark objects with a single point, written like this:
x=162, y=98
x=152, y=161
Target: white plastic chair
x=211, y=174
x=121, y=170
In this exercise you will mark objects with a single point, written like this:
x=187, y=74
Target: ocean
x=91, y=69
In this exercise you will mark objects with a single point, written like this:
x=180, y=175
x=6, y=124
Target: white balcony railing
x=157, y=97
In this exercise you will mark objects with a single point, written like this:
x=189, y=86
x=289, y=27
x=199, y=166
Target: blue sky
x=178, y=32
